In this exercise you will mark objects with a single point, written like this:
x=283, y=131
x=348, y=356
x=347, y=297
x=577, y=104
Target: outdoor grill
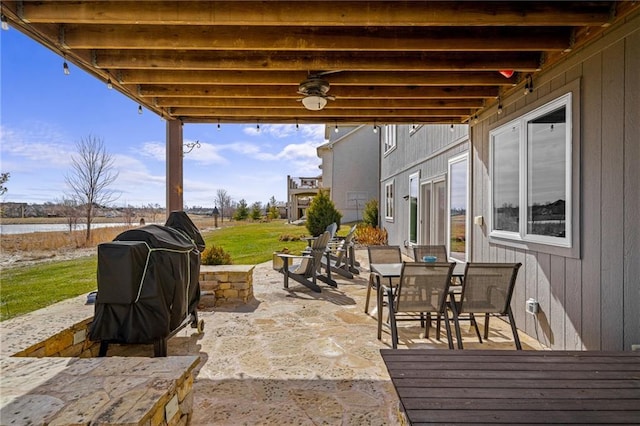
x=148, y=285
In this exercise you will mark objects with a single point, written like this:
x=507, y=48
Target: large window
x=531, y=176
x=414, y=181
x=388, y=201
x=389, y=137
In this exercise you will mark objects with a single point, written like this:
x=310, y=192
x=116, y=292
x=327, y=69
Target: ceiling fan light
x=314, y=103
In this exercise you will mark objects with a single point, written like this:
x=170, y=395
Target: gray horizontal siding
x=591, y=302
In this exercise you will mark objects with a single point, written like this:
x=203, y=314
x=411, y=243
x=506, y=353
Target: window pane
x=458, y=212
x=413, y=209
x=441, y=207
x=389, y=201
x=506, y=172
x=546, y=168
x=426, y=214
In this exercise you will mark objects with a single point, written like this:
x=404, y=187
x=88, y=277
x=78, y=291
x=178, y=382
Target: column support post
x=174, y=166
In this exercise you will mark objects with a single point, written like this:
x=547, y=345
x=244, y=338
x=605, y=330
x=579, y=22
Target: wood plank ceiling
x=243, y=61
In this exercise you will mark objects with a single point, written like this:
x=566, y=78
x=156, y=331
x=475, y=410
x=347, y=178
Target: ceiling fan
x=315, y=89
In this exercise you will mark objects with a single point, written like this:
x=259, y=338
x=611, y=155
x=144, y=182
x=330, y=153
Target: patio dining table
x=515, y=387
x=393, y=270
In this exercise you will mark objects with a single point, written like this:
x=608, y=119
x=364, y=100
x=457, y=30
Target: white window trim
x=415, y=176
x=390, y=138
x=389, y=201
x=467, y=224
x=520, y=122
x=432, y=223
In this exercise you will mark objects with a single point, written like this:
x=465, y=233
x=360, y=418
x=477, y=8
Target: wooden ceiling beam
x=305, y=61
x=193, y=102
x=280, y=38
x=300, y=111
x=343, y=78
x=353, y=92
x=320, y=13
x=340, y=121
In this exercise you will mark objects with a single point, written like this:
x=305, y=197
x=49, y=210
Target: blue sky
x=43, y=113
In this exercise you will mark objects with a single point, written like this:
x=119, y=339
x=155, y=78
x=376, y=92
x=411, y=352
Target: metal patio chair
x=380, y=254
x=423, y=289
x=486, y=289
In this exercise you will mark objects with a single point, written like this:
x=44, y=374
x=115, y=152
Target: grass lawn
x=252, y=243
x=27, y=288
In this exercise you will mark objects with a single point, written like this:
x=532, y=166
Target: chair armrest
x=293, y=256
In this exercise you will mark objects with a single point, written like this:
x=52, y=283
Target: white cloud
x=206, y=154
x=40, y=144
x=281, y=131
x=155, y=150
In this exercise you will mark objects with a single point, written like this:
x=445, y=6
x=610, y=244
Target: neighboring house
x=350, y=168
x=553, y=183
x=300, y=192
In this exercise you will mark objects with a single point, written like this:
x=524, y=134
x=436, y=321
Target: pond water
x=7, y=229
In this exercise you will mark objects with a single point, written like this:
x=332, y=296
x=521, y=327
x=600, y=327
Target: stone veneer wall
x=50, y=375
x=71, y=342
x=220, y=284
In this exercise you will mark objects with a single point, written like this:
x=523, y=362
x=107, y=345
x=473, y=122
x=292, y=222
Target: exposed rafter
x=243, y=61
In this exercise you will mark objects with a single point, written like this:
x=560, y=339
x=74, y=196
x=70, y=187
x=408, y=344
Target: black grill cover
x=147, y=285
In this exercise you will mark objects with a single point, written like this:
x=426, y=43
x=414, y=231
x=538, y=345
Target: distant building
x=351, y=168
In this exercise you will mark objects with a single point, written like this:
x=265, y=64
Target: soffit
x=242, y=61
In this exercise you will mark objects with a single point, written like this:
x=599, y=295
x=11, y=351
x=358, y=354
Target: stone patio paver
x=289, y=356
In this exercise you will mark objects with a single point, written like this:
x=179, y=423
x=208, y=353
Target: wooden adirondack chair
x=340, y=258
x=307, y=268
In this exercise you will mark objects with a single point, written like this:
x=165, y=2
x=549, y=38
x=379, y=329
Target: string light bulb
x=65, y=68
x=258, y=127
x=375, y=127
x=297, y=126
x=218, y=124
x=475, y=119
x=336, y=129
x=109, y=85
x=499, y=106
x=140, y=110
x=5, y=23
x=451, y=129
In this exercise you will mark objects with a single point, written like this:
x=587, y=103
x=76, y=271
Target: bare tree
x=68, y=208
x=91, y=175
x=4, y=177
x=154, y=210
x=223, y=200
x=128, y=213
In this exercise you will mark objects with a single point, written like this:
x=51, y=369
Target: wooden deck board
x=489, y=386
